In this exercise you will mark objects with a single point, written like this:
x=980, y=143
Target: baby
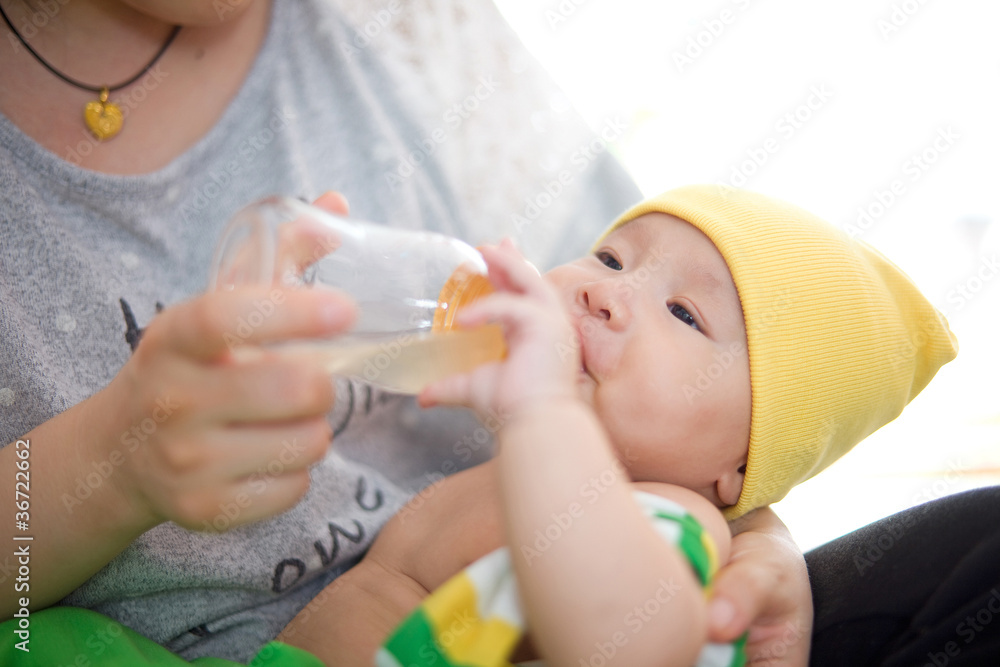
x=717, y=348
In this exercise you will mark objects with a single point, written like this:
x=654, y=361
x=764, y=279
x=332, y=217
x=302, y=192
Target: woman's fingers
x=266, y=450
x=306, y=240
x=296, y=245
x=209, y=325
x=266, y=387
x=764, y=589
x=334, y=202
x=221, y=507
x=453, y=390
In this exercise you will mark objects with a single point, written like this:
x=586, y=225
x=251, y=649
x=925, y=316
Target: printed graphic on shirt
x=133, y=334
x=290, y=571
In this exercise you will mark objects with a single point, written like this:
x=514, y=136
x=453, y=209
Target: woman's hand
x=186, y=431
x=764, y=588
x=542, y=358
x=296, y=245
x=222, y=430
x=211, y=439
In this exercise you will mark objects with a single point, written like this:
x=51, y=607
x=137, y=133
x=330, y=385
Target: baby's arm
x=603, y=577
x=707, y=514
x=439, y=532
x=588, y=560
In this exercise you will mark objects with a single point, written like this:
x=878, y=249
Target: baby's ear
x=730, y=485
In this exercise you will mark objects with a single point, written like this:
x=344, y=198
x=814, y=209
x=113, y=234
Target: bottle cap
x=463, y=287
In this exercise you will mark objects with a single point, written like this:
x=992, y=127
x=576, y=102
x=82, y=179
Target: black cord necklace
x=103, y=118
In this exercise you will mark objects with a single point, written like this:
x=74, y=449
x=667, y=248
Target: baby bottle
x=409, y=285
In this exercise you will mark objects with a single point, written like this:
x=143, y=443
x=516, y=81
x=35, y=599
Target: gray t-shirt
x=87, y=259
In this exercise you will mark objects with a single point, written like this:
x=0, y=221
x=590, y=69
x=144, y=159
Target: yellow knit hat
x=839, y=338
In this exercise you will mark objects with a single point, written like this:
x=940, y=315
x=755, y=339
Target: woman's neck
x=91, y=40
x=105, y=42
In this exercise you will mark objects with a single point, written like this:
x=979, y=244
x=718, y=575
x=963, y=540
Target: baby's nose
x=604, y=302
x=593, y=309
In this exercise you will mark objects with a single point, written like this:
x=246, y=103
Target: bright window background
x=706, y=97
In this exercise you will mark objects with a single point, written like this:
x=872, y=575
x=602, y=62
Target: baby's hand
x=543, y=360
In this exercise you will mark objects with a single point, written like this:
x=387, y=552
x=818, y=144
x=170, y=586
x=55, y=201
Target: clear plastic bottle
x=408, y=285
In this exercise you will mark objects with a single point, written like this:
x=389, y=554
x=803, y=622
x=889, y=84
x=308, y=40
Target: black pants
x=920, y=588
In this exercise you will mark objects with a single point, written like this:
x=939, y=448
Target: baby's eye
x=608, y=260
x=681, y=313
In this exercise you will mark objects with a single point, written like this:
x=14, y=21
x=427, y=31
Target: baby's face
x=664, y=352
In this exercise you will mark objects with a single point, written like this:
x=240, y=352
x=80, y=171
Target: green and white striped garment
x=475, y=620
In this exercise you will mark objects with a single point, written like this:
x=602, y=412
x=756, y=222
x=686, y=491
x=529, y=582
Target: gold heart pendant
x=103, y=118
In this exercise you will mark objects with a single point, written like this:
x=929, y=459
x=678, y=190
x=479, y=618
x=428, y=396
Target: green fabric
x=73, y=637
x=415, y=631
x=740, y=657
x=692, y=544
x=418, y=642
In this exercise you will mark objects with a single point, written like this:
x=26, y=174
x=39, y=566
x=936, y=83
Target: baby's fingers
x=471, y=390
x=449, y=391
x=509, y=270
x=512, y=311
